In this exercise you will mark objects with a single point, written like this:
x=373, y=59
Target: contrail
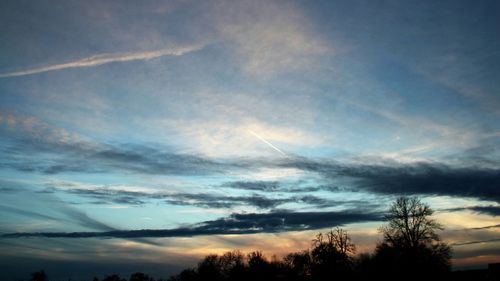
x=105, y=59
x=266, y=142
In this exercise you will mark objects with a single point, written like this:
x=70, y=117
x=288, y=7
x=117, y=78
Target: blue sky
x=243, y=124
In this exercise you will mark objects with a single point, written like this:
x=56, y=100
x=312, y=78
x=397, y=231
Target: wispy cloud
x=27, y=213
x=101, y=59
x=104, y=195
x=269, y=38
x=32, y=135
x=275, y=186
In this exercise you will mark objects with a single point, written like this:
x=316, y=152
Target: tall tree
x=410, y=224
x=330, y=255
x=411, y=245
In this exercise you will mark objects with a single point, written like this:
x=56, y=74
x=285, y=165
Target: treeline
x=409, y=250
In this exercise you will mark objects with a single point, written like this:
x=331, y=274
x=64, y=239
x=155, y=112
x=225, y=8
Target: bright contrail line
x=266, y=142
x=105, y=59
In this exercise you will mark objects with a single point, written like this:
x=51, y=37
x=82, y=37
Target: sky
x=141, y=136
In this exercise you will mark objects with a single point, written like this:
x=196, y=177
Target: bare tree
x=342, y=241
x=330, y=255
x=411, y=245
x=410, y=224
x=337, y=239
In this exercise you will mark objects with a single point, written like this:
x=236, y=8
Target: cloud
x=275, y=186
x=234, y=224
x=81, y=218
x=7, y=190
x=72, y=153
x=47, y=200
x=424, y=178
x=486, y=227
x=72, y=214
x=104, y=195
x=141, y=159
x=215, y=201
x=27, y=213
x=433, y=180
x=268, y=38
x=486, y=210
x=254, y=185
x=227, y=132
x=475, y=242
x=101, y=59
x=69, y=213
x=9, y=187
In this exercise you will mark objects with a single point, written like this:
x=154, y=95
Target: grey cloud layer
x=275, y=186
x=27, y=151
x=487, y=210
x=204, y=200
x=406, y=179
x=26, y=213
x=419, y=178
x=234, y=224
x=85, y=157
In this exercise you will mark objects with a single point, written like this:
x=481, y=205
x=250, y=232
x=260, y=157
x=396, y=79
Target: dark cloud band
x=385, y=177
x=234, y=224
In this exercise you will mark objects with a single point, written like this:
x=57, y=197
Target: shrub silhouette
x=258, y=267
x=298, y=265
x=113, y=277
x=39, y=276
x=139, y=276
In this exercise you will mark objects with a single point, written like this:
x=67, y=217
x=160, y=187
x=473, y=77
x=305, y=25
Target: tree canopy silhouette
x=411, y=244
x=39, y=276
x=410, y=224
x=410, y=250
x=330, y=254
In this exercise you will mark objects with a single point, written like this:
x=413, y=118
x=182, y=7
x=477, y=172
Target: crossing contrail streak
x=105, y=59
x=266, y=142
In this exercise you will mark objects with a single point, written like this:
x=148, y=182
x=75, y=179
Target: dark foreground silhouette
x=410, y=250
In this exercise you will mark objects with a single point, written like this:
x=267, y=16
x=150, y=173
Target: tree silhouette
x=186, y=275
x=39, y=276
x=139, y=276
x=330, y=255
x=210, y=268
x=411, y=245
x=409, y=224
x=258, y=266
x=113, y=277
x=410, y=250
x=298, y=265
x=232, y=265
